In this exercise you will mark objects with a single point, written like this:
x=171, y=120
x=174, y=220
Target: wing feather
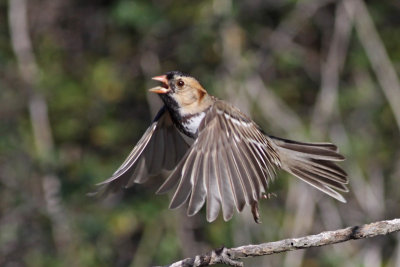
x=157, y=159
x=199, y=192
x=235, y=162
x=140, y=173
x=213, y=194
x=184, y=189
x=232, y=177
x=225, y=186
x=246, y=174
x=227, y=166
x=152, y=154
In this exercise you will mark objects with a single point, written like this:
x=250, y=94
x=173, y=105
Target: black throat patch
x=173, y=109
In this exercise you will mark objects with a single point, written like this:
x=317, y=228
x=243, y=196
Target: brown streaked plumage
x=219, y=156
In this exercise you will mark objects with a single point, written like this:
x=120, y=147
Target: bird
x=217, y=156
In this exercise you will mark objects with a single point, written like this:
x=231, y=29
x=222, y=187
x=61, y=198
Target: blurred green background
x=73, y=102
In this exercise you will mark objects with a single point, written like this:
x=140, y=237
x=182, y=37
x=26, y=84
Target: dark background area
x=73, y=102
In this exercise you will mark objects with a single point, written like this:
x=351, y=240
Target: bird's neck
x=188, y=118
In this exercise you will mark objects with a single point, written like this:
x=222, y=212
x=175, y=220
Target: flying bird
x=219, y=156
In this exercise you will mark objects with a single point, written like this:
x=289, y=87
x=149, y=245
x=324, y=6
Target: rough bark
x=230, y=256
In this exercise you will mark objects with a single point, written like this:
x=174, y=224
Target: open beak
x=164, y=88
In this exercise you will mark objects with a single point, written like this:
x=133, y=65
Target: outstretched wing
x=229, y=165
x=160, y=148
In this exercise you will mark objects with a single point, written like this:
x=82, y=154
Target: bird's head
x=181, y=91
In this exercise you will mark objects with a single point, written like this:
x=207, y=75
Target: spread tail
x=315, y=164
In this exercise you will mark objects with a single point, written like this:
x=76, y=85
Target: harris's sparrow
x=219, y=156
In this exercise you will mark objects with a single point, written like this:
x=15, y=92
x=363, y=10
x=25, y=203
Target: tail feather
x=326, y=189
x=315, y=164
x=328, y=146
x=330, y=167
x=313, y=151
x=320, y=178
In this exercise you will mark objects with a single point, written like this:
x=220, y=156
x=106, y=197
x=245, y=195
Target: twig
x=326, y=103
x=272, y=106
x=42, y=134
x=377, y=55
x=283, y=35
x=230, y=256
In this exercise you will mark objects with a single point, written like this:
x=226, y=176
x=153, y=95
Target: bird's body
x=228, y=160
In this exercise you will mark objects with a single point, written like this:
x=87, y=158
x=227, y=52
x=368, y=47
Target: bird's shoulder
x=229, y=111
x=228, y=118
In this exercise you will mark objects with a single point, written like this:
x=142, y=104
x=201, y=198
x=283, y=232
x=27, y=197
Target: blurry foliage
x=96, y=58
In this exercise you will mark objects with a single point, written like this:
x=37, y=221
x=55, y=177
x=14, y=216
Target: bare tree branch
x=230, y=256
x=42, y=134
x=377, y=55
x=283, y=35
x=326, y=103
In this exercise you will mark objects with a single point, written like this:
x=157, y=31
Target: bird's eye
x=181, y=83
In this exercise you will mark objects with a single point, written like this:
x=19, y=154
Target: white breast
x=192, y=124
